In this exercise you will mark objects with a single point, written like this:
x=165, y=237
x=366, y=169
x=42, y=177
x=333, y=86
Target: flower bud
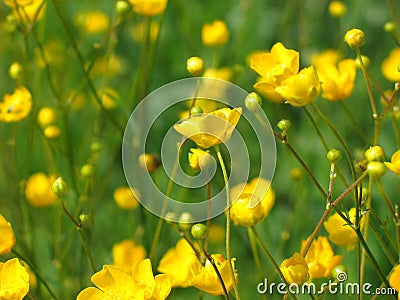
x=87, y=170
x=376, y=169
x=296, y=173
x=284, y=125
x=10, y=23
x=199, y=159
x=340, y=269
x=170, y=217
x=375, y=153
x=198, y=231
x=149, y=162
x=185, y=220
x=196, y=110
x=354, y=38
x=389, y=27
x=253, y=101
x=95, y=147
x=16, y=71
x=195, y=66
x=51, y=132
x=337, y=9
x=59, y=187
x=46, y=116
x=122, y=7
x=365, y=61
x=333, y=155
x=84, y=217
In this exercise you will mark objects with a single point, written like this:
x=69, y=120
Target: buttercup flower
x=251, y=202
x=52, y=132
x=295, y=269
x=320, y=258
x=46, y=116
x=394, y=278
x=394, y=165
x=27, y=14
x=124, y=198
x=274, y=67
x=300, y=89
x=215, y=34
x=207, y=280
x=337, y=9
x=195, y=65
x=93, y=22
x=16, y=107
x=126, y=255
x=354, y=38
x=38, y=190
x=148, y=7
x=198, y=158
x=7, y=238
x=14, y=280
x=339, y=232
x=390, y=66
x=207, y=130
x=113, y=283
x=180, y=264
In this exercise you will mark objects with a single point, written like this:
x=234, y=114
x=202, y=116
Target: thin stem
x=228, y=219
x=253, y=247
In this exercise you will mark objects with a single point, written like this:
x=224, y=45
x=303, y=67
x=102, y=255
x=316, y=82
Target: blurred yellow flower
x=46, y=116
x=300, y=89
x=124, y=198
x=92, y=22
x=54, y=54
x=394, y=165
x=14, y=280
x=273, y=68
x=138, y=31
x=390, y=66
x=126, y=255
x=148, y=7
x=207, y=280
x=198, y=158
x=13, y=3
x=113, y=283
x=340, y=233
x=224, y=73
x=7, y=238
x=337, y=9
x=210, y=129
x=16, y=107
x=52, y=132
x=337, y=78
x=320, y=258
x=38, y=190
x=216, y=233
x=251, y=202
x=354, y=38
x=109, y=99
x=30, y=13
x=295, y=269
x=394, y=278
x=180, y=264
x=215, y=33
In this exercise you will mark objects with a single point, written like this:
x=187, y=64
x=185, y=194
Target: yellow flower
x=274, y=67
x=295, y=269
x=7, y=238
x=38, y=190
x=195, y=65
x=14, y=280
x=339, y=232
x=52, y=132
x=394, y=278
x=300, y=89
x=320, y=258
x=251, y=202
x=92, y=22
x=13, y=3
x=109, y=99
x=337, y=81
x=124, y=198
x=198, y=158
x=126, y=255
x=394, y=165
x=210, y=129
x=207, y=280
x=180, y=264
x=16, y=107
x=138, y=31
x=215, y=34
x=148, y=7
x=46, y=116
x=54, y=54
x=354, y=38
x=113, y=283
x=31, y=12
x=390, y=66
x=337, y=9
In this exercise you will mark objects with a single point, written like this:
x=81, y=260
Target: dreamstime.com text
x=331, y=287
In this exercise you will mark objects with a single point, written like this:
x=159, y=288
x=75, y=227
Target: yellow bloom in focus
x=300, y=89
x=38, y=190
x=354, y=38
x=14, y=280
x=113, y=283
x=148, y=7
x=124, y=198
x=7, y=238
x=210, y=129
x=16, y=107
x=337, y=9
x=273, y=68
x=180, y=264
x=30, y=13
x=46, y=116
x=93, y=22
x=390, y=66
x=340, y=233
x=215, y=34
x=337, y=80
x=394, y=165
x=320, y=258
x=394, y=278
x=251, y=202
x=207, y=280
x=295, y=269
x=126, y=255
x=198, y=158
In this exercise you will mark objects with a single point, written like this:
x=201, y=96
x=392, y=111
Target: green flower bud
x=122, y=7
x=376, y=169
x=333, y=155
x=84, y=217
x=87, y=170
x=16, y=71
x=375, y=153
x=365, y=60
x=253, y=101
x=185, y=220
x=284, y=125
x=389, y=27
x=196, y=110
x=59, y=187
x=199, y=231
x=339, y=272
x=170, y=217
x=95, y=147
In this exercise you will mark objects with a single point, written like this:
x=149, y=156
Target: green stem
x=228, y=220
x=253, y=247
